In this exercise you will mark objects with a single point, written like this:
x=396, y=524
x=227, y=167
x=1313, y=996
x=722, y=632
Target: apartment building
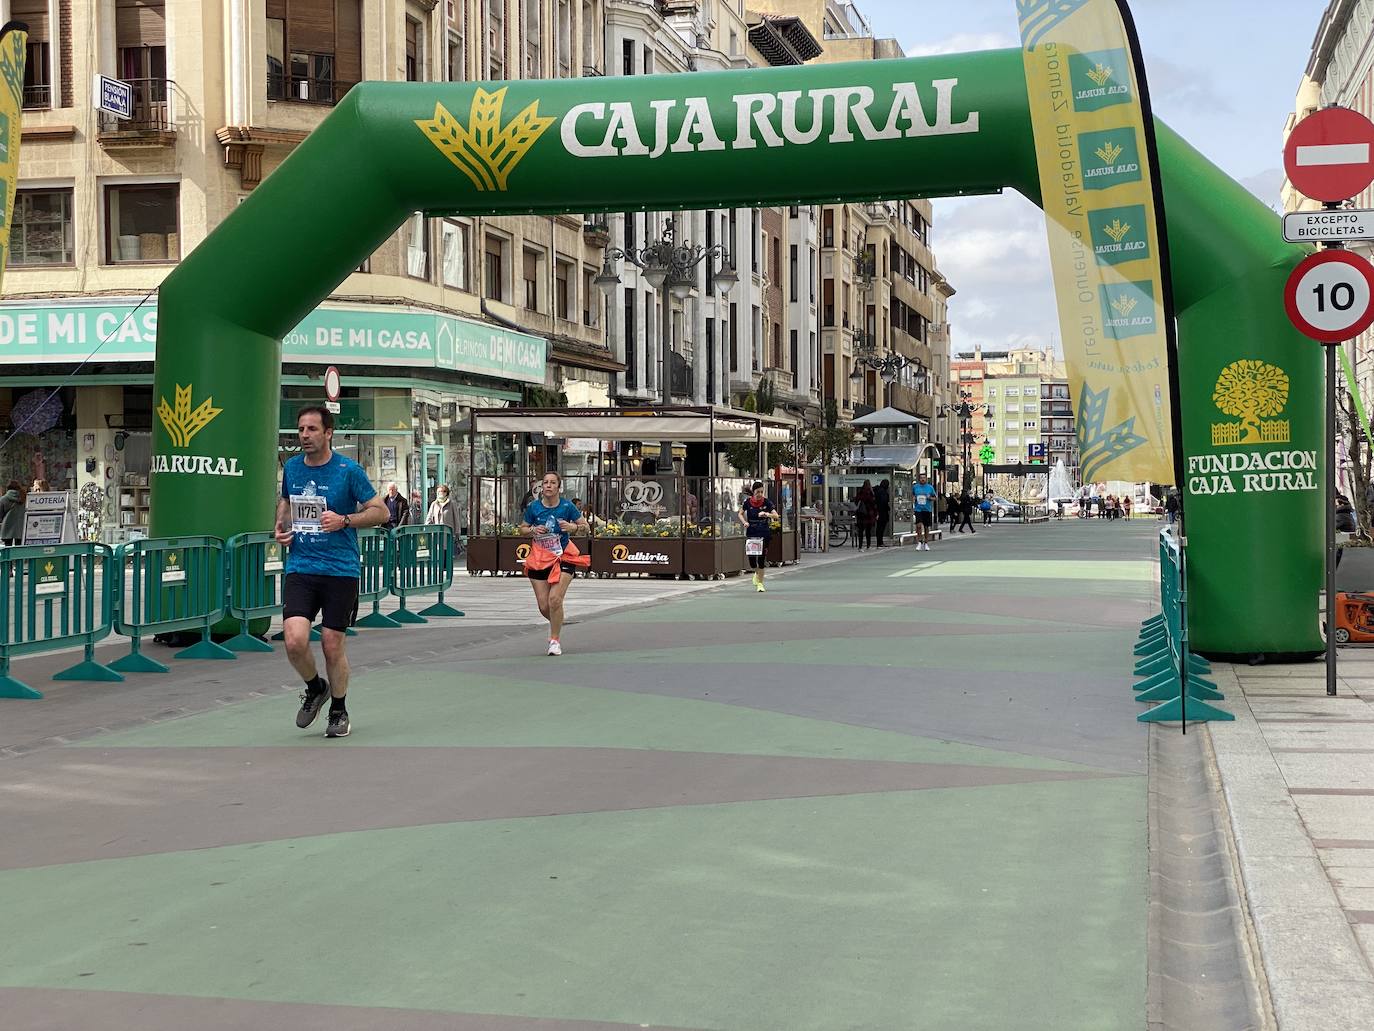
x=1022, y=406
x=224, y=91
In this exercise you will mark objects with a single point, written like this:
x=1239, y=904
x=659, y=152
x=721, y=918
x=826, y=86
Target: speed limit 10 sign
x=1330, y=296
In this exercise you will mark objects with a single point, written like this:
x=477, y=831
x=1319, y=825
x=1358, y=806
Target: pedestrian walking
x=1126, y=507
x=12, y=505
x=865, y=514
x=325, y=499
x=397, y=508
x=415, y=512
x=952, y=510
x=548, y=519
x=1171, y=507
x=966, y=513
x=883, y=499
x=923, y=510
x=985, y=506
x=757, y=516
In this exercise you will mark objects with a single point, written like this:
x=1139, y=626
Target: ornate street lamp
x=666, y=265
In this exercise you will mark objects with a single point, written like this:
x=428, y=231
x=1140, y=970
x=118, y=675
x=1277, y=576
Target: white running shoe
x=555, y=648
x=925, y=545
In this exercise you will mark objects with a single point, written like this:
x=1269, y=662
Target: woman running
x=757, y=514
x=548, y=519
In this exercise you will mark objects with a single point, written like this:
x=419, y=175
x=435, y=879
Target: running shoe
x=338, y=723
x=759, y=584
x=756, y=580
x=555, y=648
x=311, y=704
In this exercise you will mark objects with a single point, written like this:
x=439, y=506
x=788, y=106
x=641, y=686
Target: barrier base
x=1151, y=643
x=137, y=662
x=280, y=635
x=441, y=608
x=11, y=688
x=1171, y=711
x=89, y=669
x=379, y=621
x=406, y=616
x=206, y=649
x=1197, y=689
x=247, y=643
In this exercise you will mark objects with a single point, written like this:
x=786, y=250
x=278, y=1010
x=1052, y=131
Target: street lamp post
x=666, y=265
x=964, y=412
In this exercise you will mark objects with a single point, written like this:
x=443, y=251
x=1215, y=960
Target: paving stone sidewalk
x=1297, y=772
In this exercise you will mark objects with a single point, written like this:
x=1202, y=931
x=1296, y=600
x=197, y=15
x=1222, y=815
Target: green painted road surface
x=899, y=792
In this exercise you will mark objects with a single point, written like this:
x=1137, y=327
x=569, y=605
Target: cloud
x=1267, y=186
x=963, y=43
x=993, y=251
x=1178, y=90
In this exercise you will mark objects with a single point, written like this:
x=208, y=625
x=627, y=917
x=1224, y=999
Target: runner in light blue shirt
x=923, y=508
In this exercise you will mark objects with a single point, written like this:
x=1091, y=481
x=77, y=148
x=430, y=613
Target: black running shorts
x=308, y=595
x=543, y=574
x=925, y=518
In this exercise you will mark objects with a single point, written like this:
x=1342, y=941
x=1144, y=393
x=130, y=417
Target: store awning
x=679, y=425
x=886, y=456
x=887, y=417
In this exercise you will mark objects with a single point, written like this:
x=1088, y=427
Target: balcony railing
x=37, y=97
x=153, y=114
x=305, y=89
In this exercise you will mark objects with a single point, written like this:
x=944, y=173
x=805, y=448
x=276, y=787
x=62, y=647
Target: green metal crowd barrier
x=54, y=597
x=376, y=554
x=422, y=563
x=256, y=564
x=169, y=584
x=1173, y=674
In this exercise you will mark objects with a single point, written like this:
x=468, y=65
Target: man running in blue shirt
x=325, y=499
x=923, y=508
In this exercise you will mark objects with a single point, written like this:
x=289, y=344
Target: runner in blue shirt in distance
x=923, y=508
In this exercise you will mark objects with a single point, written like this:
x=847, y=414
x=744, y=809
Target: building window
x=792, y=272
x=564, y=43
x=534, y=34
x=1029, y=424
x=141, y=43
x=591, y=300
x=531, y=279
x=992, y=391
x=457, y=244
x=648, y=63
x=1013, y=391
x=38, y=54
x=496, y=39
x=631, y=349
x=141, y=223
x=456, y=64
x=314, y=49
x=562, y=289
x=416, y=235
x=415, y=51
x=1030, y=408
x=493, y=269
x=42, y=230
x=627, y=57
x=591, y=53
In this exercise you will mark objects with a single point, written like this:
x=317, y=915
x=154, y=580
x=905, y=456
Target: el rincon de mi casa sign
x=328, y=335
x=918, y=127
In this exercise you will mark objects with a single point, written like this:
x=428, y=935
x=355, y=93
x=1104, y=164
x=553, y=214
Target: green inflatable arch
x=825, y=134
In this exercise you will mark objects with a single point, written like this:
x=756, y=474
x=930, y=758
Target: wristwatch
x=348, y=521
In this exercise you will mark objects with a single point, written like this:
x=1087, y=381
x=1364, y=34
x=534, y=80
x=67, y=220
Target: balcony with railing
x=153, y=121
x=596, y=230
x=306, y=89
x=38, y=97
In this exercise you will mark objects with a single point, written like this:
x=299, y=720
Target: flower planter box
x=732, y=559
x=482, y=554
x=782, y=547
x=661, y=556
x=701, y=556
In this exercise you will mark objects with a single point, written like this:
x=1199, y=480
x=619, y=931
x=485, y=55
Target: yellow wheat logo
x=485, y=151
x=1253, y=391
x=1100, y=74
x=182, y=423
x=1123, y=306
x=1108, y=152
x=47, y=568
x=1117, y=229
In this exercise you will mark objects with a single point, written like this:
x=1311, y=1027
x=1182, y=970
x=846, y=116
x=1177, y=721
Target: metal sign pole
x=1331, y=603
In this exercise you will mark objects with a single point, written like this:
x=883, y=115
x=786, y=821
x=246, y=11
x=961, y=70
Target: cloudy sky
x=1223, y=73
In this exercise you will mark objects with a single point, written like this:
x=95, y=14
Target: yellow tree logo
x=1252, y=391
x=1117, y=230
x=181, y=422
x=1108, y=152
x=485, y=151
x=1124, y=305
x=1100, y=74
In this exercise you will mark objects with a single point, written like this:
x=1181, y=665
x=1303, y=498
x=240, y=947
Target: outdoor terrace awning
x=680, y=425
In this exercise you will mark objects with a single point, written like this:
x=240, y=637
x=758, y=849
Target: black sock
x=315, y=684
x=337, y=705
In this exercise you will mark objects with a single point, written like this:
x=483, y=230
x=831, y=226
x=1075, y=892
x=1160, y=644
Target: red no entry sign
x=1329, y=155
x=1330, y=296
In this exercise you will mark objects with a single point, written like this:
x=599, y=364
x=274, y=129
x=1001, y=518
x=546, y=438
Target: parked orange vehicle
x=1354, y=618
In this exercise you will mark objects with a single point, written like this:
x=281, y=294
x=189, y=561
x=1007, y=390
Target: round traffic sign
x=1329, y=155
x=331, y=383
x=1330, y=296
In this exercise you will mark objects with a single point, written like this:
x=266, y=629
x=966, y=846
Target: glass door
x=431, y=474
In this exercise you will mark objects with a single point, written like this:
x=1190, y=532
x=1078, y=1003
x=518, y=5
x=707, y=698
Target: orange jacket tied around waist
x=541, y=557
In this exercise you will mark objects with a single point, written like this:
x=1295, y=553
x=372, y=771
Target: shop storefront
x=78, y=398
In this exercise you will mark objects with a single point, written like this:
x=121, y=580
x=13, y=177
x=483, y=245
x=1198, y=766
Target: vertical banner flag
x=14, y=38
x=1098, y=182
